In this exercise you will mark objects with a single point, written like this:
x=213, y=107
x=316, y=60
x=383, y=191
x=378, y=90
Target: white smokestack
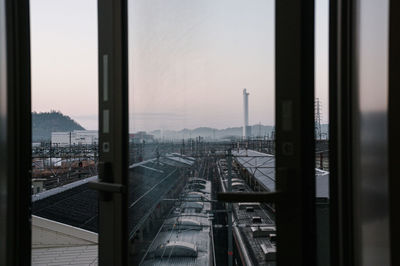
x=246, y=128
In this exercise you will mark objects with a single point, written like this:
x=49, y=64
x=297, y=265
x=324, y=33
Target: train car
x=254, y=228
x=186, y=236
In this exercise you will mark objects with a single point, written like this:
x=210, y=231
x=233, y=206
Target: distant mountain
x=45, y=123
x=213, y=133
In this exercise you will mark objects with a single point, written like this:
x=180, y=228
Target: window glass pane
x=370, y=184
x=201, y=113
x=64, y=131
x=322, y=129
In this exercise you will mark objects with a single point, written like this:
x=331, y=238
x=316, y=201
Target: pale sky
x=188, y=64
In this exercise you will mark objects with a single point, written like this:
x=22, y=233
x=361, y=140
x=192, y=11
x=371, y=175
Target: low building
x=140, y=137
x=76, y=137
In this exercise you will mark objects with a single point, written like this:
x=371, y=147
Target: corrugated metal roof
x=76, y=204
x=57, y=190
x=76, y=255
x=184, y=156
x=262, y=167
x=179, y=159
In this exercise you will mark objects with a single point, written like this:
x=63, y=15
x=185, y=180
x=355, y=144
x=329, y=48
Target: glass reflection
x=195, y=131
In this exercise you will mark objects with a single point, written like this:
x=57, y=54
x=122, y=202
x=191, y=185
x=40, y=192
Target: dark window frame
x=340, y=131
x=15, y=136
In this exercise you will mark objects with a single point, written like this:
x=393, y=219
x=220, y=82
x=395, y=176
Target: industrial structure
x=318, y=118
x=246, y=127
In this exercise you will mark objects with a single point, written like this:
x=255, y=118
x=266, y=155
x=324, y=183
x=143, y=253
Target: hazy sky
x=189, y=61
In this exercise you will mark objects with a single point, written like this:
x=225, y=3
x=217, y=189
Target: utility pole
x=230, y=240
x=318, y=118
x=50, y=156
x=69, y=160
x=158, y=154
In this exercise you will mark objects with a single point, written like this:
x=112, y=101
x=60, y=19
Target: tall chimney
x=246, y=128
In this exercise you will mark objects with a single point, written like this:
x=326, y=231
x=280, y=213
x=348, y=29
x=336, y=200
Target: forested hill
x=45, y=123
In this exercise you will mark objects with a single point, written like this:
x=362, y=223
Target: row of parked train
x=186, y=237
x=253, y=225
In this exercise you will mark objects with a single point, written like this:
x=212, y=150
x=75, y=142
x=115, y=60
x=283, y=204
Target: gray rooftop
x=74, y=255
x=262, y=167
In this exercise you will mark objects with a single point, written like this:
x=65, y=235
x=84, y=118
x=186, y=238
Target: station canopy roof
x=76, y=204
x=262, y=167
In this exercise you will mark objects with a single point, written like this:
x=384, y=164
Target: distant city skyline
x=189, y=61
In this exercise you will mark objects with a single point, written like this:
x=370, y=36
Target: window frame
x=15, y=135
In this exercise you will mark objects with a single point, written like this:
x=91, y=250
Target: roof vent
x=262, y=231
x=197, y=186
x=194, y=195
x=256, y=219
x=249, y=209
x=183, y=224
x=198, y=181
x=193, y=205
x=176, y=249
x=237, y=184
x=269, y=252
x=244, y=205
